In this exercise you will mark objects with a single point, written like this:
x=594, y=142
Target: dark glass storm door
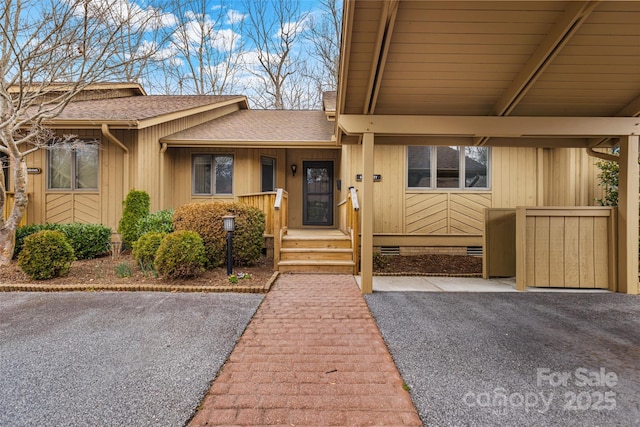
x=317, y=193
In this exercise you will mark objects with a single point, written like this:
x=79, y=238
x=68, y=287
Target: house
x=444, y=111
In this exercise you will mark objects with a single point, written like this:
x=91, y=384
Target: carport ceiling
x=499, y=58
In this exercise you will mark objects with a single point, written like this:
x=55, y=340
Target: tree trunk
x=9, y=226
x=7, y=244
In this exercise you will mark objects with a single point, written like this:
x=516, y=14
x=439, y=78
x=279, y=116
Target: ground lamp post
x=229, y=226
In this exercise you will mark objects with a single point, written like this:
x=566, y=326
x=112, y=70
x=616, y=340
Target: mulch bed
x=106, y=273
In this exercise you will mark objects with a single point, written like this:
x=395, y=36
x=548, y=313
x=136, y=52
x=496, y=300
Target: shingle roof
x=137, y=107
x=261, y=125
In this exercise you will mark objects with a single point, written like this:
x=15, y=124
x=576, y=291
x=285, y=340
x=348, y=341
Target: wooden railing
x=350, y=223
x=275, y=205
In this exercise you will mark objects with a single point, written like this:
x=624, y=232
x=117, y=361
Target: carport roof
x=490, y=58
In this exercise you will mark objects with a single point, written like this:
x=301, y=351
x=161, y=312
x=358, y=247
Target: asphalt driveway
x=501, y=359
x=134, y=359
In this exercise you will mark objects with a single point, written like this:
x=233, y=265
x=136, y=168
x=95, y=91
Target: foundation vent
x=474, y=250
x=390, y=250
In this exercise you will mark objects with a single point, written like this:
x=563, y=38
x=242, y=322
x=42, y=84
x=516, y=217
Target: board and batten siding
x=519, y=177
x=570, y=178
x=246, y=173
x=103, y=206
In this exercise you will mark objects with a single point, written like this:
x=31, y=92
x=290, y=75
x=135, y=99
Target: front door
x=318, y=193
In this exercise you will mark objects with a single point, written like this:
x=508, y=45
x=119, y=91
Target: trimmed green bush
x=155, y=222
x=206, y=220
x=146, y=248
x=136, y=206
x=248, y=237
x=87, y=240
x=181, y=254
x=45, y=255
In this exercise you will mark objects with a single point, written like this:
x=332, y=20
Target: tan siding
x=246, y=175
x=570, y=177
x=513, y=177
x=467, y=212
x=446, y=213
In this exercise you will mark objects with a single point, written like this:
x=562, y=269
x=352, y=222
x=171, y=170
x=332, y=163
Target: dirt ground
x=122, y=269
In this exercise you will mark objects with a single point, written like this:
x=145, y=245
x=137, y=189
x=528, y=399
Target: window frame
x=213, y=172
x=73, y=164
x=273, y=161
x=433, y=165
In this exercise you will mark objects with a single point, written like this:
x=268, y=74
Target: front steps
x=316, y=251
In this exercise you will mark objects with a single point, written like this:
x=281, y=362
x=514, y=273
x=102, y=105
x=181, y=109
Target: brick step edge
x=138, y=287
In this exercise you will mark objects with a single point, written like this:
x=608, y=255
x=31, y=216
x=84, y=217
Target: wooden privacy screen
x=499, y=243
x=565, y=247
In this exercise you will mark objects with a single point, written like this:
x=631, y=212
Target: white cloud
x=235, y=17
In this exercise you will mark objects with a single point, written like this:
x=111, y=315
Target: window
x=268, y=174
x=448, y=167
x=73, y=167
x=212, y=174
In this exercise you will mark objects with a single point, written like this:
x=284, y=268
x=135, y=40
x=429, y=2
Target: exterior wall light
x=294, y=169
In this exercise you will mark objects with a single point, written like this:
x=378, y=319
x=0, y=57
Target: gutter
x=163, y=150
x=107, y=133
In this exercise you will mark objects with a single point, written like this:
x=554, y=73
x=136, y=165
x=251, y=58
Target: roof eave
x=248, y=143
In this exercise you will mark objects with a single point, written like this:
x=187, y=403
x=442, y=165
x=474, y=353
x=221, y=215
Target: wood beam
x=628, y=216
x=345, y=52
x=475, y=126
x=570, y=21
x=366, y=215
x=631, y=109
x=386, y=23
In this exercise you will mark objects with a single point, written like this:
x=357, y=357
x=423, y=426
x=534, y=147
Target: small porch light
x=229, y=222
x=294, y=169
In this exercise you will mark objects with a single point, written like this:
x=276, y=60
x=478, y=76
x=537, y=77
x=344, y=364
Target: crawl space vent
x=390, y=250
x=474, y=250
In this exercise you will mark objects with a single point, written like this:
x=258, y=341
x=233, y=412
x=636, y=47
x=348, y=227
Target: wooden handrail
x=274, y=204
x=350, y=223
x=278, y=203
x=354, y=198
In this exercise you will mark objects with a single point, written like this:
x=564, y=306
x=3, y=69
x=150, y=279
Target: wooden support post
x=628, y=216
x=366, y=212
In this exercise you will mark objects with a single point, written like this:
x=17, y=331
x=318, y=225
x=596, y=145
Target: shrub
x=46, y=254
x=136, y=206
x=248, y=237
x=145, y=249
x=181, y=254
x=206, y=220
x=155, y=222
x=87, y=240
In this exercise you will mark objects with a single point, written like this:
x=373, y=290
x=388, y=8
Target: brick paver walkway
x=312, y=355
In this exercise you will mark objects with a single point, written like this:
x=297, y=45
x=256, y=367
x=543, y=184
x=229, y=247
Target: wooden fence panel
x=565, y=247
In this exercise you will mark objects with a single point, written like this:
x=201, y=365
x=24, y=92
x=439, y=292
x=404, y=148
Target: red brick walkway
x=312, y=355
